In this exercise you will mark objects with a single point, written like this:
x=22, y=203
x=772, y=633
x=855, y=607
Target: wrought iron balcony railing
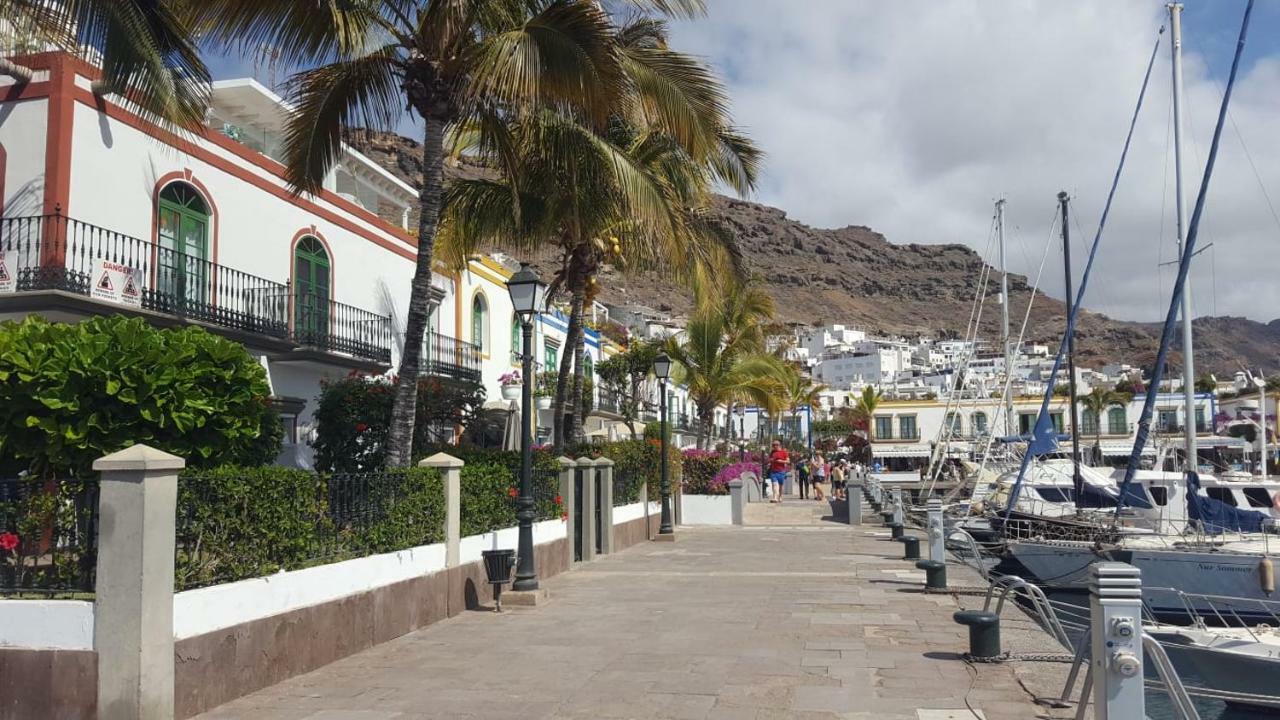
x=54, y=252
x=449, y=357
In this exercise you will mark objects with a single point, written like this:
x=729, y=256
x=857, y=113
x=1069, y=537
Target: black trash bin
x=498, y=565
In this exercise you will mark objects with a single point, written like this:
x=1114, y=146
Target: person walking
x=819, y=474
x=779, y=463
x=802, y=476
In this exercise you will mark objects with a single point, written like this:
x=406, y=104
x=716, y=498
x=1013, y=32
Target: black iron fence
x=237, y=523
x=608, y=400
x=450, y=357
x=48, y=537
x=626, y=485
x=54, y=252
x=548, y=504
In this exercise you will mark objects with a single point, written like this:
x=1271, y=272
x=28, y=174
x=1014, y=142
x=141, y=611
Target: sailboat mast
x=1005, y=398
x=1064, y=200
x=1188, y=354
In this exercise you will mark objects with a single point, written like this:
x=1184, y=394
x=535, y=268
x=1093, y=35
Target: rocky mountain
x=856, y=276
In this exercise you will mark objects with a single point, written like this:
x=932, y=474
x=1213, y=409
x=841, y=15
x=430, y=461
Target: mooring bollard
x=935, y=574
x=1115, y=614
x=895, y=530
x=984, y=635
x=936, y=531
x=910, y=547
x=886, y=517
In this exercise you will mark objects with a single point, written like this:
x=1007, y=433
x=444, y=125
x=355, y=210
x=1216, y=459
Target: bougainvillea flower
x=8, y=541
x=511, y=492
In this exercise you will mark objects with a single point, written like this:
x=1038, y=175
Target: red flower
x=559, y=500
x=8, y=541
x=361, y=427
x=511, y=492
x=564, y=517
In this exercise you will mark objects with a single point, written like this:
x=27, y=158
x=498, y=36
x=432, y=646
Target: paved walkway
x=761, y=622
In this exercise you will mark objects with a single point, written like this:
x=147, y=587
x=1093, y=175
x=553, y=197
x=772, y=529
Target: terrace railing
x=48, y=536
x=449, y=357
x=54, y=252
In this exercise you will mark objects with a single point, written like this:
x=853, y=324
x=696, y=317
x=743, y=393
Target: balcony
x=105, y=271
x=444, y=356
x=608, y=401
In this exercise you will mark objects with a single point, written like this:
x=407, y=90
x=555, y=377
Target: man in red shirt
x=779, y=463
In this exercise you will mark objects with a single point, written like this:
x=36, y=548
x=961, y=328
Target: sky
x=912, y=117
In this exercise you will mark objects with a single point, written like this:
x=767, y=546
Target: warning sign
x=7, y=283
x=116, y=283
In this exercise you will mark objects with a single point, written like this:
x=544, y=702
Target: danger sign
x=7, y=283
x=116, y=283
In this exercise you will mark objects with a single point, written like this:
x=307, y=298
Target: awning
x=1115, y=449
x=899, y=451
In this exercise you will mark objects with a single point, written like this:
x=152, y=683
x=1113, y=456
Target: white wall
x=706, y=510
x=46, y=624
x=634, y=511
x=22, y=133
x=470, y=547
x=196, y=612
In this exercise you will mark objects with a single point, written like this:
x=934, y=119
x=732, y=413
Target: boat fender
x=1267, y=575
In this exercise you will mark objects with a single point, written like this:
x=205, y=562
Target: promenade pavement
x=802, y=619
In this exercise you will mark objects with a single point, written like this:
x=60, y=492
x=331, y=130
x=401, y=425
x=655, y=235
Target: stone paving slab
x=821, y=622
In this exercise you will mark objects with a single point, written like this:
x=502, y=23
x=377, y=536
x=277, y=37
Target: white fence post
x=450, y=469
x=604, y=466
x=133, y=600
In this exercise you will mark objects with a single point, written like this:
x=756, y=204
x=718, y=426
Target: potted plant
x=544, y=390
x=510, y=385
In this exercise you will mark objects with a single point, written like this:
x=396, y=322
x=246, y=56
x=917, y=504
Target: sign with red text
x=115, y=283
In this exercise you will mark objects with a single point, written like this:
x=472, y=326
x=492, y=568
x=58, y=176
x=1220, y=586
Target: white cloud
x=912, y=117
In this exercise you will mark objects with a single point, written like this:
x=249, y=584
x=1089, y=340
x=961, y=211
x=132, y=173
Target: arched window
x=588, y=365
x=1089, y=422
x=311, y=270
x=480, y=323
x=979, y=422
x=955, y=427
x=182, y=258
x=1117, y=421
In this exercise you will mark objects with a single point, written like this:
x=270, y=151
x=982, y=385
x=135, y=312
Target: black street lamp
x=528, y=294
x=662, y=369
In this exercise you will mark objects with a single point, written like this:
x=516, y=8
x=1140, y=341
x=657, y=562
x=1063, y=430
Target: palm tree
x=865, y=408
x=451, y=63
x=634, y=193
x=145, y=48
x=721, y=364
x=800, y=391
x=1098, y=401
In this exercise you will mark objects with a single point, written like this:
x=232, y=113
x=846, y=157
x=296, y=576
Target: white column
x=1115, y=606
x=587, y=467
x=133, y=601
x=450, y=469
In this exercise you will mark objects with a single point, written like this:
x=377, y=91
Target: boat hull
x=1237, y=678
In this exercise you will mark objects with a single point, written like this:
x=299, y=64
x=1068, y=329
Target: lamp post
x=662, y=369
x=527, y=295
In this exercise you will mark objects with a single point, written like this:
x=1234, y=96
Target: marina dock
x=794, y=615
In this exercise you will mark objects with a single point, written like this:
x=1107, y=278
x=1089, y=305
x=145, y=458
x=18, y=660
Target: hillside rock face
x=855, y=276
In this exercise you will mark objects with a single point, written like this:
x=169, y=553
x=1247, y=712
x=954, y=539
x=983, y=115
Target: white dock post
x=1116, y=635
x=899, y=516
x=936, y=531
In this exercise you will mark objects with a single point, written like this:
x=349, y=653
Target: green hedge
x=71, y=393
x=235, y=523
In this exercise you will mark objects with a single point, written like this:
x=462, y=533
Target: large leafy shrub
x=702, y=473
x=71, y=393
x=488, y=498
x=354, y=414
x=235, y=523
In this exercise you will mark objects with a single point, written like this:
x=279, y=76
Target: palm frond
x=329, y=98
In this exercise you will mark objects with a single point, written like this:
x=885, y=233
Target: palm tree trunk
x=404, y=405
x=578, y=343
x=564, y=388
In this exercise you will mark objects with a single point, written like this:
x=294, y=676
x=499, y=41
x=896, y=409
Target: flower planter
x=510, y=392
x=542, y=402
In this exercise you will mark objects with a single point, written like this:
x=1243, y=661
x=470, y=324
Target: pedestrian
x=819, y=472
x=779, y=463
x=802, y=476
x=837, y=479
